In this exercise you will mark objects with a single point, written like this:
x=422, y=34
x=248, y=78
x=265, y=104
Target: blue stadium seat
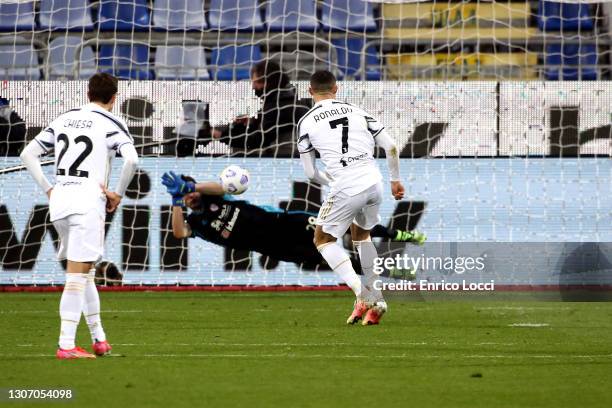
x=65, y=15
x=180, y=15
x=126, y=61
x=18, y=62
x=570, y=57
x=62, y=59
x=291, y=15
x=181, y=63
x=242, y=15
x=554, y=16
x=348, y=15
x=17, y=16
x=123, y=15
x=348, y=58
x=234, y=63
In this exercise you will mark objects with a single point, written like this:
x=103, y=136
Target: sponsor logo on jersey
x=213, y=207
x=230, y=225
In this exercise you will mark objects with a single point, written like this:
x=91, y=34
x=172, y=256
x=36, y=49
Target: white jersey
x=344, y=135
x=85, y=140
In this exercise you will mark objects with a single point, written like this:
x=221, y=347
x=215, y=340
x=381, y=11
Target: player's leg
x=333, y=220
x=335, y=217
x=367, y=218
x=398, y=235
x=73, y=295
x=94, y=230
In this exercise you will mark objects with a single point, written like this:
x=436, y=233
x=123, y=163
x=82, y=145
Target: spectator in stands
x=270, y=133
x=12, y=130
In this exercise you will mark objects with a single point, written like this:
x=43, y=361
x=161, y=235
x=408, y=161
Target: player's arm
x=180, y=228
x=210, y=188
x=384, y=140
x=308, y=157
x=42, y=144
x=130, y=164
x=309, y=162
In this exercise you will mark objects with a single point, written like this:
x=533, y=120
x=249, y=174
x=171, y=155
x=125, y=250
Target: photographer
x=12, y=130
x=270, y=133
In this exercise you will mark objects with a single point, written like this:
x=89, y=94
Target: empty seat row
x=556, y=16
x=169, y=15
x=19, y=62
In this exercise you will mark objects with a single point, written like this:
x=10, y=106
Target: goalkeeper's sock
x=367, y=255
x=71, y=306
x=339, y=261
x=91, y=309
x=380, y=231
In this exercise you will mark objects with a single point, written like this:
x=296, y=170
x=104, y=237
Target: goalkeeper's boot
x=76, y=352
x=375, y=313
x=414, y=237
x=101, y=348
x=359, y=310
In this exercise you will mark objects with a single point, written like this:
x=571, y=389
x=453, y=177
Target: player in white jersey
x=84, y=141
x=345, y=137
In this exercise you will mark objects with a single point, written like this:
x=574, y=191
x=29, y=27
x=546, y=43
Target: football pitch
x=266, y=349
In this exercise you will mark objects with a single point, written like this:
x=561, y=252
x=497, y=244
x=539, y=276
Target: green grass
x=290, y=350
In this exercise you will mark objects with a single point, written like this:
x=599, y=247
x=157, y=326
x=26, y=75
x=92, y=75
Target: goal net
x=501, y=110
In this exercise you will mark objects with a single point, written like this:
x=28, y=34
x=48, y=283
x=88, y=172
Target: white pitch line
x=337, y=356
x=528, y=325
x=521, y=308
x=213, y=344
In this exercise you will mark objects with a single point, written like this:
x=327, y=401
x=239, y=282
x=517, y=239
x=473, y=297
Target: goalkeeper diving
x=219, y=218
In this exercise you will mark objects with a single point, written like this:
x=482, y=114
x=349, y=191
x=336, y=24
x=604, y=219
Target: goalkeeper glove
x=177, y=187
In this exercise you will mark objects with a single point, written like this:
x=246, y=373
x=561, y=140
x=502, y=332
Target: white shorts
x=339, y=211
x=81, y=237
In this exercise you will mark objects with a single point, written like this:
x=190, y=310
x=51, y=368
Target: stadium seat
x=177, y=62
x=348, y=58
x=123, y=15
x=567, y=60
x=126, y=61
x=554, y=16
x=18, y=62
x=234, y=63
x=17, y=16
x=65, y=15
x=62, y=59
x=291, y=15
x=348, y=15
x=242, y=15
x=180, y=15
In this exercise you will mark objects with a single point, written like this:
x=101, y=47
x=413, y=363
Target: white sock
x=91, y=309
x=339, y=261
x=71, y=306
x=367, y=254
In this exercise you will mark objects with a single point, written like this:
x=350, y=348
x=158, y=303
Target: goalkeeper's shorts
x=81, y=237
x=340, y=210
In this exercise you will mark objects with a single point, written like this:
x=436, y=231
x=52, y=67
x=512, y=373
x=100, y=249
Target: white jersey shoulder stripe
x=308, y=113
x=116, y=122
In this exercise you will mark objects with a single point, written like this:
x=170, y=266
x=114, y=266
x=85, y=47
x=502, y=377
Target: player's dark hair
x=322, y=82
x=272, y=75
x=188, y=179
x=102, y=87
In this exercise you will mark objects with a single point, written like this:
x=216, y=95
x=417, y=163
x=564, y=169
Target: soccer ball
x=235, y=179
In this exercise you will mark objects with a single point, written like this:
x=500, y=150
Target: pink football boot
x=101, y=348
x=375, y=314
x=76, y=352
x=358, y=311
